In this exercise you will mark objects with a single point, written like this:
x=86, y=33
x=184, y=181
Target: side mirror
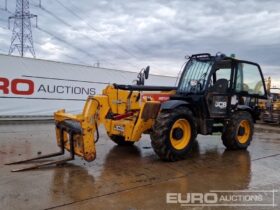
x=146, y=72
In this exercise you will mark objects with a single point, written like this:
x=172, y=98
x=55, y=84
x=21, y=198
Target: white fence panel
x=33, y=87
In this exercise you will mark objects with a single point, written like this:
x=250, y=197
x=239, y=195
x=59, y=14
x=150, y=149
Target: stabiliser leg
x=35, y=166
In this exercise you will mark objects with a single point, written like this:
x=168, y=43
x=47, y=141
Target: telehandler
x=215, y=93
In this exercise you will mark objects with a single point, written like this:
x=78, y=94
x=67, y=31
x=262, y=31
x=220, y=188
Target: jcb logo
x=221, y=104
x=16, y=86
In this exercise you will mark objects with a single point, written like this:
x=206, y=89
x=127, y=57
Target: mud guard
x=172, y=104
x=255, y=113
x=244, y=108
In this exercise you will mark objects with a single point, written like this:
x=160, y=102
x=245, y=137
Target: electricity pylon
x=22, y=39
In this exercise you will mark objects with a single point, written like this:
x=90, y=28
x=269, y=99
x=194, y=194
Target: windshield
x=195, y=74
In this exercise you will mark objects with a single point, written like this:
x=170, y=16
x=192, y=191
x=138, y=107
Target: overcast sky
x=132, y=34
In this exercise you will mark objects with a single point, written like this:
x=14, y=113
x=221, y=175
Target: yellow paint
x=244, y=138
x=119, y=100
x=181, y=143
x=142, y=125
x=115, y=102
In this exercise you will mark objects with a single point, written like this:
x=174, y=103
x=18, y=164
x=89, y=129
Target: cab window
x=223, y=74
x=249, y=80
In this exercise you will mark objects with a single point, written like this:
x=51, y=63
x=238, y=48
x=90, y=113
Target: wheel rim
x=180, y=134
x=245, y=124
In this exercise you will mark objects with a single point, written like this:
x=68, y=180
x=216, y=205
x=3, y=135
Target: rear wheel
x=239, y=131
x=173, y=134
x=119, y=140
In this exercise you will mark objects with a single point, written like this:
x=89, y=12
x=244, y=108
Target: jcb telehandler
x=215, y=94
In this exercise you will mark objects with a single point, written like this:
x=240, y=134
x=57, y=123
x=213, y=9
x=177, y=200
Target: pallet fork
x=62, y=152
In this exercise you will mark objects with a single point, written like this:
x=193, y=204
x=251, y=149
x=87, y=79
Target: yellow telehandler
x=212, y=96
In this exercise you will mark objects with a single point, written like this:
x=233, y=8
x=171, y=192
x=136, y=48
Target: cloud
x=132, y=34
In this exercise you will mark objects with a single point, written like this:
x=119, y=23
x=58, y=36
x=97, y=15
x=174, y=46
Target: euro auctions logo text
x=264, y=198
x=16, y=86
x=28, y=87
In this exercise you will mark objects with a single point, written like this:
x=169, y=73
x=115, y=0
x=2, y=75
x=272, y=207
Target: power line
x=71, y=26
x=68, y=56
x=96, y=31
x=86, y=36
x=90, y=26
x=69, y=44
x=65, y=42
x=55, y=16
x=62, y=40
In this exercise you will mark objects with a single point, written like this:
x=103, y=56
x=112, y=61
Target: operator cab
x=216, y=85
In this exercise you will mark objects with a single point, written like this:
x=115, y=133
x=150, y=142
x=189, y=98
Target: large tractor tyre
x=119, y=140
x=174, y=133
x=239, y=131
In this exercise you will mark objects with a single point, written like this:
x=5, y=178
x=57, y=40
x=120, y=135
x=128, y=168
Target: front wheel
x=174, y=133
x=239, y=131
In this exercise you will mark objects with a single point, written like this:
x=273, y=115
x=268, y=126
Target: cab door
x=220, y=89
x=249, y=84
x=249, y=80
